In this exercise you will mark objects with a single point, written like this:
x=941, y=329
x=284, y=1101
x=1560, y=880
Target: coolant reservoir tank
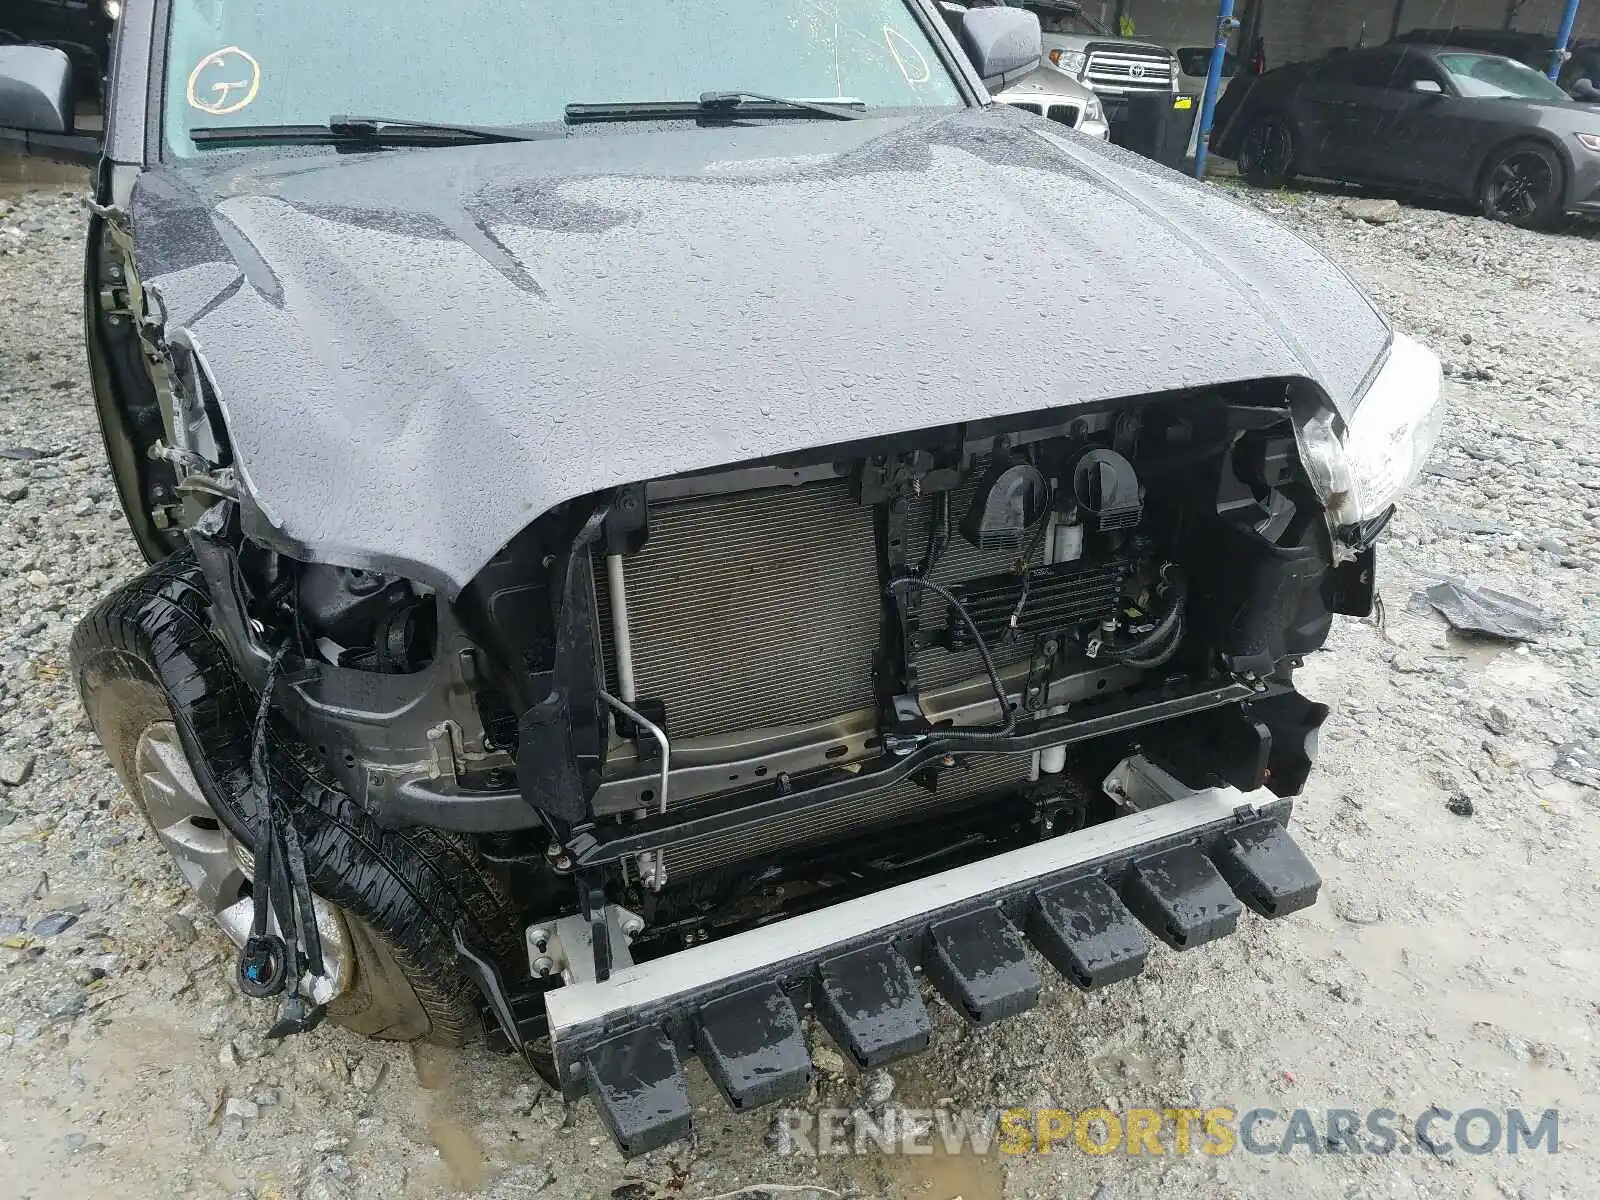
x=1067, y=543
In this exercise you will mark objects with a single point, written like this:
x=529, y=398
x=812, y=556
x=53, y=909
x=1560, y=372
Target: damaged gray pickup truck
x=642, y=565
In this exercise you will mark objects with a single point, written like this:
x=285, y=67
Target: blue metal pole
x=1208, y=103
x=1559, y=55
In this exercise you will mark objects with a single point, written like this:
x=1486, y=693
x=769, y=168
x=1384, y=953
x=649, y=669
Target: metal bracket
x=1137, y=783
x=445, y=747
x=565, y=946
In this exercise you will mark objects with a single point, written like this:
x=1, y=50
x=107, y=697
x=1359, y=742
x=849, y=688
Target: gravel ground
x=1449, y=962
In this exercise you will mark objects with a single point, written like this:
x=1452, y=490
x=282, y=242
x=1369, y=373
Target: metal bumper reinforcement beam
x=1082, y=903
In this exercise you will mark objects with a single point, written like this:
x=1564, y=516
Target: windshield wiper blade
x=386, y=126
x=840, y=109
x=716, y=104
x=374, y=131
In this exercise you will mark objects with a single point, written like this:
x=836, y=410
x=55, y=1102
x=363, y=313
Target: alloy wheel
x=213, y=862
x=1267, y=149
x=1519, y=184
x=184, y=821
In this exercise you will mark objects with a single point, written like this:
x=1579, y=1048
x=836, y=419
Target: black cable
x=938, y=535
x=263, y=788
x=280, y=881
x=1023, y=569
x=265, y=959
x=983, y=653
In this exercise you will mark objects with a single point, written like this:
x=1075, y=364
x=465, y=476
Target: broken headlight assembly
x=1360, y=472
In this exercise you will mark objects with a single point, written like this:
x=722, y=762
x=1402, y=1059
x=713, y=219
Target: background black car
x=80, y=28
x=1436, y=120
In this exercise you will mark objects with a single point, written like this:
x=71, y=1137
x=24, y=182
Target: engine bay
x=715, y=697
x=825, y=676
x=939, y=592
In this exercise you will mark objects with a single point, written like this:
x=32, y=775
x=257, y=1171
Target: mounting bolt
x=543, y=965
x=539, y=937
x=632, y=927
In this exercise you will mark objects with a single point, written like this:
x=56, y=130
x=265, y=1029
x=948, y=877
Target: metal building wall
x=1298, y=29
x=1313, y=27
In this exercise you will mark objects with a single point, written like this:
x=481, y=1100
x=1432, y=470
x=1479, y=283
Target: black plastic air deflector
x=752, y=1046
x=1181, y=898
x=870, y=1004
x=639, y=1090
x=1268, y=871
x=980, y=964
x=1085, y=931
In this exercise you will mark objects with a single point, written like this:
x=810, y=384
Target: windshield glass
x=1488, y=75
x=512, y=62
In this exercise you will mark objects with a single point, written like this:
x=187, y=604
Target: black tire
x=1523, y=184
x=145, y=654
x=1267, y=152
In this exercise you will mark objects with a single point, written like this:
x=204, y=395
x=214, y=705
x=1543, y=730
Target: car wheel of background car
x=1267, y=152
x=389, y=900
x=1523, y=184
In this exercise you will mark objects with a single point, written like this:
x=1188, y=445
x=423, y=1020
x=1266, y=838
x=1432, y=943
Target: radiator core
x=753, y=610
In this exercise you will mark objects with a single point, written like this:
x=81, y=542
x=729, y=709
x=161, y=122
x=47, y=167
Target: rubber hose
x=1150, y=643
x=1163, y=656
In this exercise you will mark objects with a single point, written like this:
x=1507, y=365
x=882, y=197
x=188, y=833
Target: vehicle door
x=1339, y=108
x=1428, y=133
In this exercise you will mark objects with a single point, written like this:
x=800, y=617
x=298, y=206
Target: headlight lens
x=1387, y=442
x=1591, y=141
x=1070, y=61
x=1094, y=110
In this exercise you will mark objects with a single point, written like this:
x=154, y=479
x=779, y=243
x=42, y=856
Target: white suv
x=1113, y=67
x=1051, y=94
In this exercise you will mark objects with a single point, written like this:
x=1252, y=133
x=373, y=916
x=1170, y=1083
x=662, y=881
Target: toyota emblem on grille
x=1136, y=71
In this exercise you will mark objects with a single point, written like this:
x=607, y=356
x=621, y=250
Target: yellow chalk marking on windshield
x=227, y=94
x=890, y=37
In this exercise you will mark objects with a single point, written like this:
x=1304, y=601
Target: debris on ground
x=1577, y=764
x=15, y=768
x=1374, y=212
x=1488, y=612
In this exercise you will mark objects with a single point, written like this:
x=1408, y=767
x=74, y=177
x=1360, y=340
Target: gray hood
x=419, y=352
